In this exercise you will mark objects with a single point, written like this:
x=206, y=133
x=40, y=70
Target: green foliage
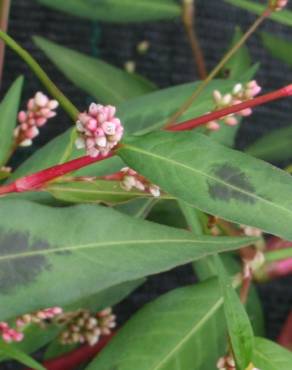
x=98, y=191
x=278, y=47
x=238, y=324
x=8, y=114
x=12, y=352
x=91, y=247
x=104, y=82
x=213, y=178
x=237, y=66
x=274, y=146
x=117, y=10
x=270, y=356
x=183, y=329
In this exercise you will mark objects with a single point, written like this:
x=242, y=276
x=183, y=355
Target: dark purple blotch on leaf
x=19, y=266
x=237, y=185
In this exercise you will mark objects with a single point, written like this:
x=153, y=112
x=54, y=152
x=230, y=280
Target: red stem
x=285, y=338
x=193, y=123
x=36, y=180
x=71, y=360
x=278, y=269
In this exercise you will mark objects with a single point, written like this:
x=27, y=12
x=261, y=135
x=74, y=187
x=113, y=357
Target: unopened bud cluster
x=83, y=327
x=39, y=109
x=40, y=318
x=277, y=5
x=226, y=363
x=240, y=93
x=132, y=180
x=9, y=334
x=99, y=131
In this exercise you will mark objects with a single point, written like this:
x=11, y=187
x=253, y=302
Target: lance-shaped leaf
x=99, y=79
x=10, y=351
x=117, y=10
x=270, y=356
x=240, y=62
x=8, y=115
x=284, y=16
x=275, y=146
x=87, y=249
x=216, y=179
x=238, y=324
x=98, y=191
x=183, y=329
x=278, y=47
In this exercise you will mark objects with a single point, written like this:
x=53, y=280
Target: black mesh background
x=168, y=62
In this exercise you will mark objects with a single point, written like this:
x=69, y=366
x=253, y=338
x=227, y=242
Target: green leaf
x=87, y=249
x=213, y=178
x=118, y=11
x=278, y=47
x=137, y=208
x=270, y=356
x=275, y=146
x=238, y=324
x=183, y=329
x=8, y=114
x=34, y=338
x=99, y=191
x=240, y=62
x=14, y=353
x=283, y=17
x=106, y=83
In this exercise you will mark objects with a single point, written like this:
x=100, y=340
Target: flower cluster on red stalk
x=239, y=94
x=39, y=109
x=99, y=130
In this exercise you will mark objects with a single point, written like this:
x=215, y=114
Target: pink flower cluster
x=131, y=179
x=8, y=334
x=39, y=109
x=226, y=363
x=99, y=131
x=39, y=317
x=239, y=94
x=277, y=5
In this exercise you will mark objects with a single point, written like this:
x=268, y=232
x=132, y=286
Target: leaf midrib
x=198, y=325
x=110, y=243
x=204, y=174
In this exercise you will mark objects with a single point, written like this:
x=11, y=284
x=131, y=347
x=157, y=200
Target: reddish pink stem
x=285, y=338
x=275, y=243
x=36, y=180
x=279, y=269
x=193, y=123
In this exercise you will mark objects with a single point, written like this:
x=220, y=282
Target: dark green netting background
x=168, y=62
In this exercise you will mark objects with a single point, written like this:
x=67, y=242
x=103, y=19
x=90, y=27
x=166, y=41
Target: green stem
x=65, y=103
x=217, y=69
x=4, y=16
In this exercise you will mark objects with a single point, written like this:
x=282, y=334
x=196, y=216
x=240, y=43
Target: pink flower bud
x=40, y=99
x=22, y=116
x=213, y=126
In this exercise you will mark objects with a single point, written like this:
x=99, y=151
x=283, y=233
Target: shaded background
x=167, y=62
